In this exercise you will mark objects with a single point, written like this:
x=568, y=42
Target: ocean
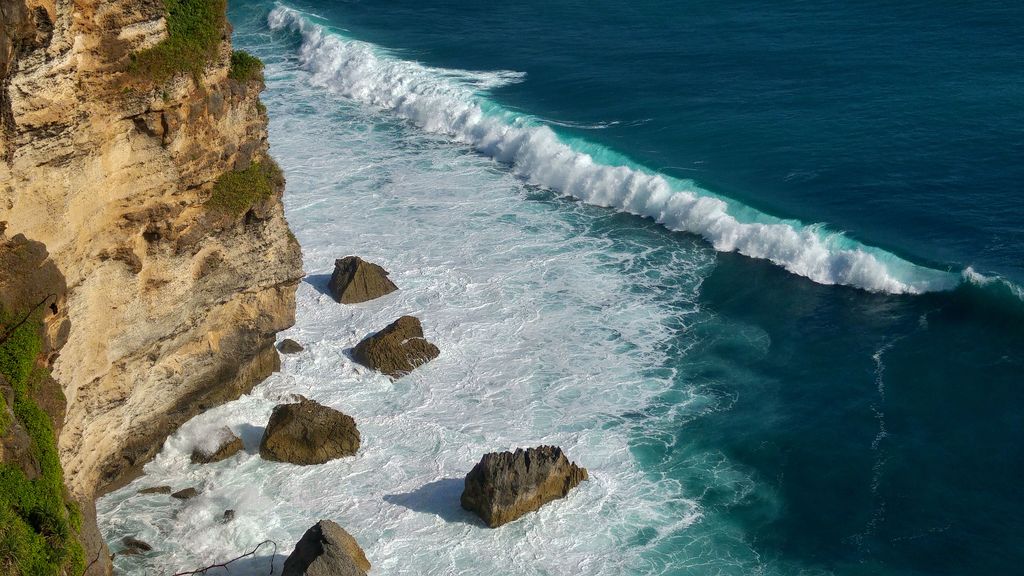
x=757, y=266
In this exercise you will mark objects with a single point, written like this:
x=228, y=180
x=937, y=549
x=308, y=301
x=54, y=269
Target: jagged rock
x=326, y=549
x=156, y=490
x=186, y=494
x=134, y=546
x=397, y=349
x=289, y=346
x=228, y=447
x=308, y=433
x=228, y=516
x=506, y=485
x=355, y=280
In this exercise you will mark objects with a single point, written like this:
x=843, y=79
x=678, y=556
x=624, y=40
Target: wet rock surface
x=326, y=549
x=397, y=349
x=506, y=485
x=308, y=433
x=355, y=280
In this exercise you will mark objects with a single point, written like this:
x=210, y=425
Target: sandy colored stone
x=308, y=433
x=172, y=309
x=506, y=485
x=326, y=549
x=355, y=280
x=397, y=349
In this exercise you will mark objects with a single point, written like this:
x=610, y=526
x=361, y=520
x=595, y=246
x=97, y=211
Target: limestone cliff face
x=173, y=306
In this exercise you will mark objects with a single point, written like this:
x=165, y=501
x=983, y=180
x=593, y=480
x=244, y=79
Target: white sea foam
x=434, y=100
x=549, y=329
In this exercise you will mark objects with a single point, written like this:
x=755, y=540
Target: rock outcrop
x=397, y=349
x=326, y=549
x=289, y=346
x=227, y=445
x=355, y=280
x=308, y=433
x=175, y=292
x=506, y=485
x=132, y=546
x=156, y=490
x=185, y=494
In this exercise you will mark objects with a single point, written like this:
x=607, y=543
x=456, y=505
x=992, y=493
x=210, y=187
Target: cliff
x=137, y=154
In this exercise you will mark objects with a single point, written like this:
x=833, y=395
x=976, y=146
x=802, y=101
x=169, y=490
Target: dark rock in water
x=156, y=490
x=326, y=549
x=229, y=515
x=134, y=546
x=355, y=280
x=397, y=349
x=308, y=433
x=228, y=447
x=507, y=485
x=289, y=346
x=185, y=494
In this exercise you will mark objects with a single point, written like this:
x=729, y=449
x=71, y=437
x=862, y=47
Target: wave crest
x=443, y=102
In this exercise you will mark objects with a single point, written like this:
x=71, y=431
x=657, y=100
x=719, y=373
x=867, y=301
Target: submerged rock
x=228, y=447
x=397, y=349
x=354, y=280
x=156, y=490
x=308, y=433
x=326, y=549
x=228, y=516
x=289, y=346
x=506, y=485
x=133, y=546
x=186, y=494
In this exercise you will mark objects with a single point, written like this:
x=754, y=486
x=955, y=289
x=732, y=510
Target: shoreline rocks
x=186, y=494
x=326, y=549
x=397, y=349
x=355, y=280
x=504, y=486
x=308, y=433
x=228, y=447
x=156, y=490
x=289, y=346
x=133, y=546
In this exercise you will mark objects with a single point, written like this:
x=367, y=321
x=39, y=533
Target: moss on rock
x=238, y=191
x=39, y=525
x=245, y=67
x=194, y=31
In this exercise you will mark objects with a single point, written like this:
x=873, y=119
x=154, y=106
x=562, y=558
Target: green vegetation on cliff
x=238, y=191
x=245, y=67
x=38, y=526
x=194, y=31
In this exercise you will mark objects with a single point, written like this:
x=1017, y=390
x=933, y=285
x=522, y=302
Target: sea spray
x=449, y=102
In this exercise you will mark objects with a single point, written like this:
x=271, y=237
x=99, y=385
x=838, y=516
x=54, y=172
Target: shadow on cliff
x=320, y=283
x=440, y=498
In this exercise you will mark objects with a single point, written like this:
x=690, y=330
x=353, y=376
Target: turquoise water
x=604, y=213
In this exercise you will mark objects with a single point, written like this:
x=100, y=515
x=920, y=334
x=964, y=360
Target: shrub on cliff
x=194, y=30
x=38, y=527
x=238, y=191
x=245, y=67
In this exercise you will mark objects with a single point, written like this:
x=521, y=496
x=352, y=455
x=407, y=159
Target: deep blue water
x=869, y=433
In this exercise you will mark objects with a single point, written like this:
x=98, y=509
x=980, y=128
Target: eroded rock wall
x=173, y=306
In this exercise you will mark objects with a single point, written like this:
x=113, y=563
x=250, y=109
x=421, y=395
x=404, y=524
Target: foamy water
x=549, y=331
x=439, y=101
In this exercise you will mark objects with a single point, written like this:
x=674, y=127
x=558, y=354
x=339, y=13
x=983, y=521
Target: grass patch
x=236, y=192
x=38, y=527
x=245, y=67
x=194, y=30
